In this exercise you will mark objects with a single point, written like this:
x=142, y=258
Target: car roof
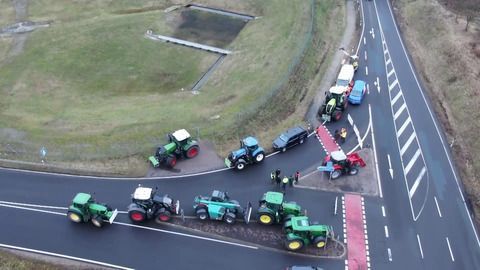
x=359, y=85
x=294, y=131
x=346, y=72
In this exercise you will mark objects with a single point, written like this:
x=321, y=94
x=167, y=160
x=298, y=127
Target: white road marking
x=396, y=97
x=399, y=111
x=434, y=123
x=373, y=33
x=391, y=86
x=390, y=166
x=65, y=256
x=366, y=71
x=357, y=133
x=389, y=251
x=417, y=182
x=368, y=89
x=363, y=30
x=438, y=208
x=378, y=85
x=420, y=245
x=389, y=60
x=390, y=73
x=412, y=161
x=375, y=156
x=350, y=120
x=364, y=41
x=386, y=231
x=403, y=127
x=34, y=205
x=365, y=55
x=383, y=211
x=407, y=144
x=138, y=226
x=450, y=249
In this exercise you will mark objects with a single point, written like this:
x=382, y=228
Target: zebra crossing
x=415, y=171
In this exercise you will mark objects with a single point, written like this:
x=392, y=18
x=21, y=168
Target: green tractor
x=273, y=209
x=180, y=144
x=299, y=232
x=335, y=104
x=85, y=209
x=220, y=207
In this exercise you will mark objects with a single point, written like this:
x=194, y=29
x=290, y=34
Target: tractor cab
x=339, y=157
x=81, y=200
x=273, y=200
x=219, y=196
x=180, y=137
x=248, y=153
x=250, y=144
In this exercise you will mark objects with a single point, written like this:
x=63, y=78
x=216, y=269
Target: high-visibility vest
x=285, y=180
x=272, y=175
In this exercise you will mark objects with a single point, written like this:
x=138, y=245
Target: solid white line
x=438, y=207
x=403, y=127
x=34, y=205
x=386, y=231
x=391, y=86
x=412, y=161
x=383, y=211
x=399, y=111
x=366, y=71
x=138, y=226
x=450, y=249
x=364, y=136
x=420, y=245
x=375, y=155
x=407, y=144
x=417, y=182
x=396, y=97
x=436, y=126
x=390, y=73
x=389, y=254
x=65, y=256
x=363, y=29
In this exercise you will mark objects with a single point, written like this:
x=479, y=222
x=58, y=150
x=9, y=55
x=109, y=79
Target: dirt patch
x=267, y=236
x=365, y=182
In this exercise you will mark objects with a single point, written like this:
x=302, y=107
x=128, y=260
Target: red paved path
x=357, y=256
x=326, y=139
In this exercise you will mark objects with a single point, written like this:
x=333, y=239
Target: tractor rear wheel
x=137, y=215
x=97, y=221
x=192, y=151
x=336, y=174
x=294, y=244
x=319, y=242
x=229, y=217
x=266, y=218
x=202, y=213
x=353, y=171
x=260, y=156
x=163, y=215
x=74, y=216
x=171, y=161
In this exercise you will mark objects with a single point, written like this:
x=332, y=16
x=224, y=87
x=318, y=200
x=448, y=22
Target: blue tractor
x=250, y=152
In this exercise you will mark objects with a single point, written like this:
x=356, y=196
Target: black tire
x=75, y=216
x=337, y=115
x=201, y=213
x=97, y=221
x=289, y=244
x=287, y=217
x=192, y=151
x=163, y=215
x=353, y=171
x=336, y=174
x=259, y=157
x=266, y=218
x=240, y=165
x=321, y=111
x=319, y=242
x=171, y=161
x=136, y=213
x=229, y=218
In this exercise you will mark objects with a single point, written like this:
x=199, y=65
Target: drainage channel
x=207, y=74
x=221, y=12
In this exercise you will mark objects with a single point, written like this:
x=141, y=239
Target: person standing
x=336, y=137
x=290, y=180
x=278, y=180
x=272, y=177
x=284, y=183
x=296, y=177
x=343, y=134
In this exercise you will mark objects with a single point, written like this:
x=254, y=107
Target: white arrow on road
x=373, y=33
x=390, y=166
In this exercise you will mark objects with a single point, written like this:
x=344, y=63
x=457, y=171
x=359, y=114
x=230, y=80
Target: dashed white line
x=383, y=211
x=365, y=55
x=450, y=249
x=438, y=207
x=389, y=251
x=403, y=127
x=366, y=71
x=396, y=97
x=378, y=85
x=386, y=231
x=364, y=41
x=420, y=245
x=368, y=89
x=412, y=161
x=407, y=144
x=399, y=111
x=391, y=86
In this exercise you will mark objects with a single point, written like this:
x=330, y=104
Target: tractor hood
x=238, y=153
x=291, y=207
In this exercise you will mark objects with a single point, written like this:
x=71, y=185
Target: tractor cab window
x=252, y=148
x=79, y=206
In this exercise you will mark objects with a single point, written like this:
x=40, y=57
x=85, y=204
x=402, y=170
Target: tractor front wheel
x=202, y=213
x=319, y=242
x=294, y=244
x=336, y=174
x=337, y=115
x=353, y=171
x=266, y=218
x=192, y=151
x=240, y=165
x=260, y=156
x=97, y=221
x=171, y=161
x=163, y=215
x=229, y=218
x=75, y=217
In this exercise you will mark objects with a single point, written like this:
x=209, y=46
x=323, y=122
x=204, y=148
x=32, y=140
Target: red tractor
x=337, y=163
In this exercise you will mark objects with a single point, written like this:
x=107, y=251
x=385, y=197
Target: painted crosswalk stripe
x=390, y=72
x=399, y=111
x=391, y=86
x=403, y=127
x=388, y=61
x=407, y=144
x=417, y=183
x=412, y=161
x=396, y=97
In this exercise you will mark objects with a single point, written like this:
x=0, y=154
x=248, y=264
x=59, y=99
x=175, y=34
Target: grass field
x=99, y=96
x=448, y=58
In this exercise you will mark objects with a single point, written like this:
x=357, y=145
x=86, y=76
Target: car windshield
x=284, y=138
x=342, y=82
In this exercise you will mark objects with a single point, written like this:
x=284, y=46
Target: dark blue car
x=358, y=91
x=291, y=137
